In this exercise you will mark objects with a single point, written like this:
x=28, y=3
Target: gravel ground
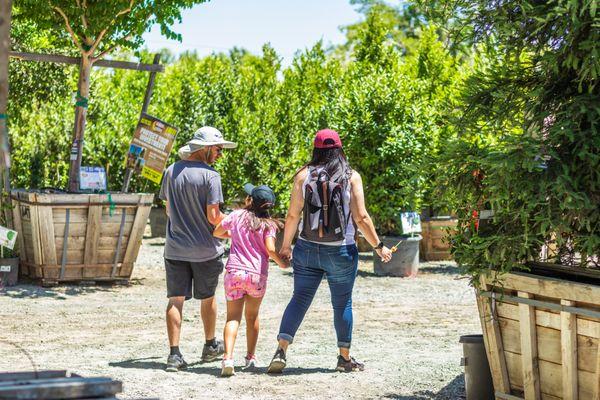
x=405, y=330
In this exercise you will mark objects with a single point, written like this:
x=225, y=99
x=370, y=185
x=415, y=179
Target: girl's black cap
x=262, y=196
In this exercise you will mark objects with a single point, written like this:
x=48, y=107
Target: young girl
x=252, y=233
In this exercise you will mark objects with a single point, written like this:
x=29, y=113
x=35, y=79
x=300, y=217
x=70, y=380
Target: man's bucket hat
x=205, y=136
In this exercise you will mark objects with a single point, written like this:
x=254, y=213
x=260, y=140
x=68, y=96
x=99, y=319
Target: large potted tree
x=531, y=129
x=75, y=236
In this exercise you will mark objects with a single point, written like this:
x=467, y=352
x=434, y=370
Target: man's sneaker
x=227, y=368
x=175, y=362
x=211, y=353
x=277, y=363
x=250, y=362
x=351, y=365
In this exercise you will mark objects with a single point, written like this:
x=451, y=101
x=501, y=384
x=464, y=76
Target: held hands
x=384, y=253
x=283, y=264
x=286, y=255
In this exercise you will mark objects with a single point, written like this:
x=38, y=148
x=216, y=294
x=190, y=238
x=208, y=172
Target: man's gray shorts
x=203, y=276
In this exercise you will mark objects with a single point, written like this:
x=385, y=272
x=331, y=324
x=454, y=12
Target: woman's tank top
x=350, y=231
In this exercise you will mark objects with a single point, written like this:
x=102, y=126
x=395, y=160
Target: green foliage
x=25, y=80
x=531, y=131
x=98, y=26
x=39, y=109
x=391, y=110
x=402, y=25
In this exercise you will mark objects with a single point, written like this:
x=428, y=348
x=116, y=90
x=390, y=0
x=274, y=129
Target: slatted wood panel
x=18, y=224
x=135, y=240
x=550, y=378
x=92, y=235
x=92, y=239
x=597, y=380
x=568, y=336
x=529, y=349
x=548, y=354
x=46, y=235
x=434, y=246
x=493, y=343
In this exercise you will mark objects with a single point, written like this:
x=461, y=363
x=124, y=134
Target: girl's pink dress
x=247, y=268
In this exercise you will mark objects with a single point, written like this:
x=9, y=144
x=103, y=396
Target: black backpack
x=324, y=218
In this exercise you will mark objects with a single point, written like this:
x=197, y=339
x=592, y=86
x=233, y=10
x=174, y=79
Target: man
x=192, y=191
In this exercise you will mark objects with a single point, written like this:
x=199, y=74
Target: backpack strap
x=325, y=190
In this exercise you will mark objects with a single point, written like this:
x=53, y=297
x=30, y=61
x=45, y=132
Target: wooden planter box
x=435, y=245
x=541, y=336
x=75, y=237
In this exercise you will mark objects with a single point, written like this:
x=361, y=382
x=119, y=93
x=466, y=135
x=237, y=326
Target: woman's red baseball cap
x=327, y=139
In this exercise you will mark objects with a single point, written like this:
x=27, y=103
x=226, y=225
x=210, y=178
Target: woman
x=327, y=196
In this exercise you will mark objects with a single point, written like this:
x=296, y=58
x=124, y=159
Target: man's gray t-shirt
x=189, y=186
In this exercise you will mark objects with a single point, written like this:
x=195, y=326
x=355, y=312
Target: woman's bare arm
x=362, y=218
x=293, y=216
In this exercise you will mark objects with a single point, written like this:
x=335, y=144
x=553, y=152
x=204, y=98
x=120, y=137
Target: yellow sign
x=151, y=174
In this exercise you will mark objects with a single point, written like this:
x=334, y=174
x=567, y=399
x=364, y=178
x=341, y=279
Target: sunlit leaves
x=530, y=129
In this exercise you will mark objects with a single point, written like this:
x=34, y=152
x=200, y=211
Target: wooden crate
x=77, y=237
x=541, y=336
x=49, y=385
x=435, y=245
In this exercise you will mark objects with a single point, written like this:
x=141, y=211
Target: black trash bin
x=478, y=379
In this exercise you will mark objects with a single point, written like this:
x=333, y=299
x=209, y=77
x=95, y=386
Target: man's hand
x=286, y=253
x=214, y=214
x=384, y=253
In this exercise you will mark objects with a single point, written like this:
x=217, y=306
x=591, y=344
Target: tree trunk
x=83, y=92
x=5, y=16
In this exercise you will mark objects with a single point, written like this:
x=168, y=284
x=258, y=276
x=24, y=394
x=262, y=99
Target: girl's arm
x=270, y=245
x=221, y=232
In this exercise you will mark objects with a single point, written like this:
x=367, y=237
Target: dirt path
x=405, y=330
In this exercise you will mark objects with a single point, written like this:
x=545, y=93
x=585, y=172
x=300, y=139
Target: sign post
x=147, y=97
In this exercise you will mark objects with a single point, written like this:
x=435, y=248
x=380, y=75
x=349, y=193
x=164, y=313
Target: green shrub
x=391, y=110
x=534, y=102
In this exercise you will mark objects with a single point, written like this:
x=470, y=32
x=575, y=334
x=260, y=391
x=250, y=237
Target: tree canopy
x=96, y=27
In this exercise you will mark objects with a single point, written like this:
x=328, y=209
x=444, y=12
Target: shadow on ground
x=365, y=257
x=62, y=292
x=442, y=268
x=452, y=391
x=368, y=273
x=212, y=368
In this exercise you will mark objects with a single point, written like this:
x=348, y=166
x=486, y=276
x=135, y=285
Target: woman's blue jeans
x=312, y=261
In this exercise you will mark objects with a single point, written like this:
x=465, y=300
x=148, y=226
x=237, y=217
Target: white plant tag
x=8, y=237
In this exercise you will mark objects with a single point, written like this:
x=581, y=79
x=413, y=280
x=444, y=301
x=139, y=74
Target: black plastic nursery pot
x=478, y=378
x=9, y=271
x=158, y=222
x=405, y=260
